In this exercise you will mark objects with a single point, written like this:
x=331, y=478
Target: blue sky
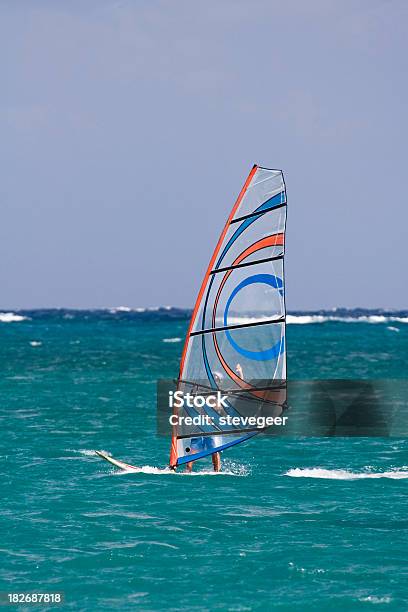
x=128, y=128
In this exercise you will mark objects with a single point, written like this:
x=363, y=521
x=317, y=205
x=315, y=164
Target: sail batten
x=236, y=337
x=237, y=326
x=248, y=263
x=257, y=213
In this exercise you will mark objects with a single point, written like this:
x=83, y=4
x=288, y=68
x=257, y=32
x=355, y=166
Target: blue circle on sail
x=276, y=349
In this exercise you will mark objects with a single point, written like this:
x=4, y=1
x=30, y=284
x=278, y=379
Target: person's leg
x=197, y=444
x=216, y=460
x=189, y=465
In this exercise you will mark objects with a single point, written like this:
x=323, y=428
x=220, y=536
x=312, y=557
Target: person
x=202, y=443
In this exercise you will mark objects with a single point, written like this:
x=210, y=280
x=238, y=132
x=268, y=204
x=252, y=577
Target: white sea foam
x=305, y=319
x=149, y=469
x=229, y=468
x=35, y=343
x=291, y=319
x=303, y=570
x=395, y=329
x=11, y=317
x=120, y=309
x=171, y=340
x=144, y=469
x=344, y=474
x=308, y=319
x=117, y=309
x=376, y=600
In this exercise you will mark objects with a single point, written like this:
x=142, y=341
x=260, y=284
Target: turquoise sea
x=291, y=524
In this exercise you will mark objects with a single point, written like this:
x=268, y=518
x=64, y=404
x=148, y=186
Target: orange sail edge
x=173, y=448
x=173, y=452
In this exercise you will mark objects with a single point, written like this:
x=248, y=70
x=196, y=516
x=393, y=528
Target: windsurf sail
x=236, y=338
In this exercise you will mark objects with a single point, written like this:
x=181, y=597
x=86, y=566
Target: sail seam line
x=248, y=263
x=256, y=214
x=238, y=326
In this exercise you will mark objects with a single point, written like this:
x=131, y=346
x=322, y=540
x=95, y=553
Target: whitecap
x=149, y=469
x=120, y=309
x=375, y=600
x=309, y=319
x=171, y=340
x=11, y=317
x=306, y=319
x=344, y=474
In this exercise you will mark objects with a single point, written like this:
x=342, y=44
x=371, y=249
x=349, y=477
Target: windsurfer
x=205, y=443
x=208, y=442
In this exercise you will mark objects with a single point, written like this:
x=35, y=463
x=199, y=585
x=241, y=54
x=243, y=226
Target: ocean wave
x=149, y=469
x=120, y=309
x=170, y=340
x=310, y=319
x=376, y=600
x=11, y=317
x=343, y=474
x=296, y=317
x=143, y=469
x=121, y=468
x=117, y=309
x=140, y=309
